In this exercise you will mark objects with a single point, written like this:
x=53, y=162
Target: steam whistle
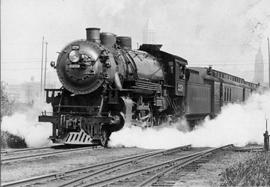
x=266, y=139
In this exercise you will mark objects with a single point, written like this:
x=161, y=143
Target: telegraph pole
x=268, y=60
x=45, y=70
x=41, y=78
x=266, y=138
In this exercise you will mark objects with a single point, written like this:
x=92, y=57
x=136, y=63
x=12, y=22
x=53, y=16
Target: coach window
x=171, y=66
x=227, y=99
x=230, y=94
x=182, y=72
x=225, y=94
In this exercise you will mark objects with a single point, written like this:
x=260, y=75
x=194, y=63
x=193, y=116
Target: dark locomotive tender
x=97, y=73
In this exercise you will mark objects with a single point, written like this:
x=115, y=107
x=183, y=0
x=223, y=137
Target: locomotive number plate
x=180, y=87
x=74, y=66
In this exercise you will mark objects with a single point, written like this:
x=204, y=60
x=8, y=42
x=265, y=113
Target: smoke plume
x=25, y=124
x=237, y=124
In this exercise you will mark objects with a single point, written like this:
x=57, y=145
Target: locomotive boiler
x=98, y=73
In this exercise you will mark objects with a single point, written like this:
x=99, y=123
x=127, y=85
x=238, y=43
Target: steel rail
x=23, y=150
x=32, y=149
x=135, y=159
x=84, y=169
x=248, y=149
x=62, y=174
x=23, y=157
x=151, y=180
x=109, y=180
x=170, y=163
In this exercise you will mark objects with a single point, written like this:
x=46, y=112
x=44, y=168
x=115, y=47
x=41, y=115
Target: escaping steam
x=25, y=124
x=237, y=124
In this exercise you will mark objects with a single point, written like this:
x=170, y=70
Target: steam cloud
x=237, y=124
x=26, y=125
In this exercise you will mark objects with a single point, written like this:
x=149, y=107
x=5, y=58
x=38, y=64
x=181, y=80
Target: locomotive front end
x=86, y=109
x=83, y=65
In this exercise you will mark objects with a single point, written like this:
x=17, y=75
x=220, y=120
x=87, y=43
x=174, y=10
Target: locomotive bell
x=79, y=67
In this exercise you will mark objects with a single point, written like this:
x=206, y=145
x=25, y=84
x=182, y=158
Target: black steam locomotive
x=99, y=72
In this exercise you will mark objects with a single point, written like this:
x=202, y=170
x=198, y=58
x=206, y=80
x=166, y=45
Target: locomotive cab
x=175, y=77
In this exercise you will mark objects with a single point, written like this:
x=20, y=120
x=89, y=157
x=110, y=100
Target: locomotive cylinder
x=93, y=34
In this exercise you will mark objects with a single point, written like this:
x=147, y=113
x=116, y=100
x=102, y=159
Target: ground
x=212, y=173
x=217, y=170
x=59, y=163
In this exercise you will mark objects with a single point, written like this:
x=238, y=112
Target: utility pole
x=45, y=70
x=268, y=60
x=41, y=78
x=266, y=138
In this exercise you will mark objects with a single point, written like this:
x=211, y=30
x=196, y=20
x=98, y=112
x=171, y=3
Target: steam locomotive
x=99, y=72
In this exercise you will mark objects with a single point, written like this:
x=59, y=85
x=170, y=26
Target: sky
x=223, y=33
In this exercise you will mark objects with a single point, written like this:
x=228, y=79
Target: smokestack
x=93, y=34
x=124, y=42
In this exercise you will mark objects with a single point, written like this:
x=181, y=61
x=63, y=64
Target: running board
x=79, y=138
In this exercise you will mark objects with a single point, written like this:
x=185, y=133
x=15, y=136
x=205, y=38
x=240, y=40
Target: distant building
x=29, y=92
x=24, y=93
x=14, y=92
x=259, y=68
x=149, y=33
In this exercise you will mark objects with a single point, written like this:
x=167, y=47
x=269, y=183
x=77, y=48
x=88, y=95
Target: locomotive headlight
x=74, y=56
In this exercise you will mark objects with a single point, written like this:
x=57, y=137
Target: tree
x=6, y=103
x=7, y=107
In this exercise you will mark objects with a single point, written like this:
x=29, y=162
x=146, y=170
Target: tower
x=259, y=68
x=149, y=33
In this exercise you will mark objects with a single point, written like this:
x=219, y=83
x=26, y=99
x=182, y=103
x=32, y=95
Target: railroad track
x=23, y=150
x=21, y=156
x=5, y=152
x=192, y=161
x=249, y=149
x=145, y=176
x=94, y=170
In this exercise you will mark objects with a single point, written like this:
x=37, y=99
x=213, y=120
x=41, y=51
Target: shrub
x=253, y=172
x=9, y=140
